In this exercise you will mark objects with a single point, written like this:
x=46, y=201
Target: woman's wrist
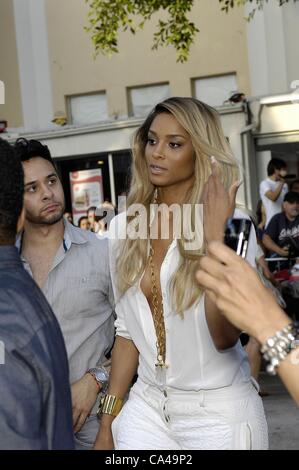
x=266, y=331
x=278, y=347
x=106, y=421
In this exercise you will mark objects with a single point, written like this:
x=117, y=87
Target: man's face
x=84, y=224
x=91, y=218
x=281, y=172
x=291, y=209
x=43, y=198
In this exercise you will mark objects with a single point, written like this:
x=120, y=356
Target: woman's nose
x=159, y=151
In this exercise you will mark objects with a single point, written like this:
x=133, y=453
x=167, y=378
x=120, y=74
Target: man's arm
x=260, y=261
x=272, y=246
x=274, y=195
x=20, y=405
x=272, y=234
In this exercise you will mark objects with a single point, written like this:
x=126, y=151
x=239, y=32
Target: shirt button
x=84, y=279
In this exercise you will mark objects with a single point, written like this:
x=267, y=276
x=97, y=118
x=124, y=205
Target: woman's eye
x=174, y=145
x=151, y=141
x=52, y=181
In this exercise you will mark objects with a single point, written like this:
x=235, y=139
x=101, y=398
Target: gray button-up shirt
x=78, y=288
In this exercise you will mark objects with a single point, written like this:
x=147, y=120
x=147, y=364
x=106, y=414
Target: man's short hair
x=27, y=149
x=91, y=209
x=11, y=192
x=291, y=197
x=275, y=164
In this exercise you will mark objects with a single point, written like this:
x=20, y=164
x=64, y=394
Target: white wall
x=33, y=57
x=273, y=44
x=262, y=160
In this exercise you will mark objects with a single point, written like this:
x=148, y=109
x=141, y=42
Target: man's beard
x=41, y=220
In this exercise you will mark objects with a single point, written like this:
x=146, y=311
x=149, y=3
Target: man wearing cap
x=282, y=233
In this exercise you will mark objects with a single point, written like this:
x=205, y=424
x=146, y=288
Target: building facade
x=51, y=78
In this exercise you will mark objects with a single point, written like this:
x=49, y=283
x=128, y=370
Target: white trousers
x=222, y=419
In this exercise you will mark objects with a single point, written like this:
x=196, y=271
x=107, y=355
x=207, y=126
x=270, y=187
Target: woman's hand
x=238, y=293
x=218, y=204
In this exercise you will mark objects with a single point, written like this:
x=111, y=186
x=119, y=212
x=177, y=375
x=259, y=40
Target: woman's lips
x=157, y=170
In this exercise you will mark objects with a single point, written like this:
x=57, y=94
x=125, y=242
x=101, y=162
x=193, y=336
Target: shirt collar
x=72, y=235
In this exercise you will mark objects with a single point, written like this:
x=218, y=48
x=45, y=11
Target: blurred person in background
x=274, y=188
x=83, y=223
x=281, y=237
x=103, y=216
x=91, y=217
x=295, y=186
x=68, y=216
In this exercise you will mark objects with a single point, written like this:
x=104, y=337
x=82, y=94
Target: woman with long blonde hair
x=193, y=389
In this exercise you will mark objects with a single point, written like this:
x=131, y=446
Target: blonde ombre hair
x=202, y=123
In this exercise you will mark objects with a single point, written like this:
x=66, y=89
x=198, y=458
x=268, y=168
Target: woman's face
x=169, y=153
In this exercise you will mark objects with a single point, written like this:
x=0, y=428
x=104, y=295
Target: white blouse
x=193, y=361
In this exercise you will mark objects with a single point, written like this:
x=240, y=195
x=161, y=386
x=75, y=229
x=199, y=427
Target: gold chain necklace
x=158, y=315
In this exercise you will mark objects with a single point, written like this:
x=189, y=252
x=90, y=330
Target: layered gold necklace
x=158, y=314
x=158, y=310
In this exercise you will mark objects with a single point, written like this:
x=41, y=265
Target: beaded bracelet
x=279, y=346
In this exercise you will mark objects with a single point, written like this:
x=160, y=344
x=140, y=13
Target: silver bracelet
x=279, y=346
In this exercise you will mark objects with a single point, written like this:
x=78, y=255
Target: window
x=143, y=99
x=88, y=109
x=215, y=90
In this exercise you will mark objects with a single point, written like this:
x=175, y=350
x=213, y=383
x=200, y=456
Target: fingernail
x=213, y=160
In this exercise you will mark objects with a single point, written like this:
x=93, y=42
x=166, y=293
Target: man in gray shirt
x=35, y=405
x=71, y=267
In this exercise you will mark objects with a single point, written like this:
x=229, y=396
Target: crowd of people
x=129, y=338
x=96, y=218
x=278, y=229
x=278, y=212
